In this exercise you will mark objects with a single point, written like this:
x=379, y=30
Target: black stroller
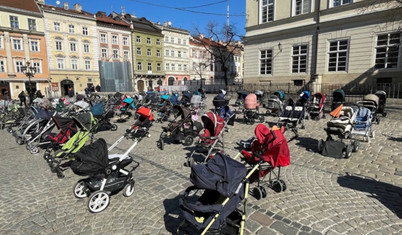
x=338, y=98
x=182, y=129
x=186, y=98
x=241, y=96
x=211, y=204
x=382, y=95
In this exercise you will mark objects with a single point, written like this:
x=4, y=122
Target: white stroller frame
x=274, y=101
x=367, y=131
x=34, y=148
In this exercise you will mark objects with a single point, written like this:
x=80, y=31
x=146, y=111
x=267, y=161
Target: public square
x=325, y=195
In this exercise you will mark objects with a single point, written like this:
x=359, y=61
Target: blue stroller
x=363, y=123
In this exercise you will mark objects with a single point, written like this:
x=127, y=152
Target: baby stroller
x=186, y=98
x=251, y=110
x=127, y=104
x=103, y=117
x=268, y=151
x=275, y=106
x=210, y=141
x=39, y=138
x=210, y=205
x=183, y=130
x=59, y=160
x=338, y=97
x=371, y=102
x=341, y=126
x=241, y=96
x=197, y=101
x=174, y=99
x=107, y=172
x=316, y=108
x=382, y=95
x=363, y=124
x=221, y=107
x=294, y=113
x=66, y=127
x=165, y=108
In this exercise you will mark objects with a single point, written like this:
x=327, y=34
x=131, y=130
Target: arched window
x=159, y=82
x=171, y=81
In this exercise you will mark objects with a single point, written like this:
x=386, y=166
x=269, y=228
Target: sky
x=167, y=10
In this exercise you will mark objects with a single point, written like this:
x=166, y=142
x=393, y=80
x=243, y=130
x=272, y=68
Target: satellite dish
x=58, y=2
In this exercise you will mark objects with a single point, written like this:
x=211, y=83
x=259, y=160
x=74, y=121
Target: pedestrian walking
x=39, y=94
x=70, y=94
x=87, y=91
x=23, y=98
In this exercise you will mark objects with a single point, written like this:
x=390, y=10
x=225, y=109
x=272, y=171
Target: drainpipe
x=315, y=40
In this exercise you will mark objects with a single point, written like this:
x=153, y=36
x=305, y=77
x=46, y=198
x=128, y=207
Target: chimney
x=201, y=35
x=165, y=24
x=65, y=5
x=42, y=2
x=77, y=7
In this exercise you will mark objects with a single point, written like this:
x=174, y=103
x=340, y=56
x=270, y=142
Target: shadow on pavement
x=308, y=143
x=173, y=219
x=397, y=139
x=388, y=194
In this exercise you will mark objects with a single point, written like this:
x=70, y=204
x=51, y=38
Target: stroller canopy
x=44, y=114
x=82, y=104
x=213, y=123
x=319, y=99
x=251, y=101
x=84, y=121
x=63, y=123
x=196, y=100
x=164, y=97
x=372, y=97
x=273, y=146
x=280, y=94
x=242, y=94
x=91, y=159
x=179, y=110
x=145, y=113
x=97, y=109
x=338, y=95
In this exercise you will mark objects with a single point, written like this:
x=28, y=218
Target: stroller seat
x=119, y=159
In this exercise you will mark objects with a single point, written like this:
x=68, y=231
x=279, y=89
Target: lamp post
x=29, y=71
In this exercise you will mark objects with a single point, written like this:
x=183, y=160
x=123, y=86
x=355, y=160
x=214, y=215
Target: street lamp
x=29, y=71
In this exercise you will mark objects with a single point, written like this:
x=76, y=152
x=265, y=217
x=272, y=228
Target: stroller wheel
x=320, y=145
x=284, y=187
x=356, y=146
x=28, y=147
x=34, y=150
x=80, y=189
x=257, y=193
x=98, y=201
x=159, y=144
x=263, y=191
x=188, y=141
x=261, y=118
x=348, y=151
x=113, y=127
x=276, y=186
x=378, y=121
x=10, y=130
x=19, y=141
x=128, y=189
x=384, y=114
x=372, y=134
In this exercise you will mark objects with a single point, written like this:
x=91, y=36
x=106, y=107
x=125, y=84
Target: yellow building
x=72, y=47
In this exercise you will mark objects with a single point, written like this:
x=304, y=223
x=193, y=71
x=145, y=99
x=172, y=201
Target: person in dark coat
x=39, y=94
x=98, y=88
x=87, y=91
x=23, y=98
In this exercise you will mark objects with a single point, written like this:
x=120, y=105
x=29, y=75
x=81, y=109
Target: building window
x=179, y=40
x=149, y=52
x=184, y=41
x=173, y=67
x=167, y=53
x=179, y=67
x=37, y=66
x=17, y=44
x=103, y=38
x=171, y=81
x=2, y=67
x=172, y=53
x=184, y=67
x=299, y=56
x=158, y=67
x=126, y=55
x=56, y=26
x=158, y=41
x=166, y=39
x=86, y=47
x=387, y=50
x=114, y=40
x=265, y=62
x=73, y=47
x=18, y=66
x=115, y=54
x=59, y=45
x=34, y=45
x=87, y=65
x=125, y=41
x=336, y=3
x=85, y=30
x=74, y=64
x=149, y=66
x=184, y=54
x=139, y=52
x=267, y=11
x=14, y=22
x=167, y=66
x=179, y=54
x=32, y=24
x=172, y=39
x=139, y=66
x=103, y=52
x=338, y=55
x=71, y=28
x=60, y=63
x=301, y=7
x=148, y=41
x=158, y=53
x=139, y=39
x=1, y=42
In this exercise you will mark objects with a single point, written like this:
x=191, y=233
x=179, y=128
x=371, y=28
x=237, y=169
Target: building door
x=140, y=85
x=4, y=88
x=65, y=86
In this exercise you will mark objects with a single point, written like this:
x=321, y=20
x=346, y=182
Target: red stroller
x=211, y=140
x=316, y=109
x=269, y=150
x=251, y=109
x=67, y=128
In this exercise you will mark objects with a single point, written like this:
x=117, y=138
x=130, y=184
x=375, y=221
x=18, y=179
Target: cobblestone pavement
x=325, y=195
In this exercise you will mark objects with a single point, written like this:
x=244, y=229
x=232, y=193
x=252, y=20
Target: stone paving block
x=261, y=218
x=283, y=228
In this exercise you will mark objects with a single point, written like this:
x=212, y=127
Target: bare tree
x=222, y=47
